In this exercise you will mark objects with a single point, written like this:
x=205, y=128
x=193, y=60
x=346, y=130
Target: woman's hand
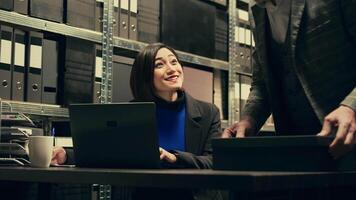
x=59, y=156
x=166, y=156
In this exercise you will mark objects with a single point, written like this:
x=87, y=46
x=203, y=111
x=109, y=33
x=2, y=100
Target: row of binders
x=45, y=68
x=52, y=69
x=243, y=37
x=203, y=26
x=88, y=14
x=25, y=57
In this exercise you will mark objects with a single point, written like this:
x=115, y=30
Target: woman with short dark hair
x=185, y=125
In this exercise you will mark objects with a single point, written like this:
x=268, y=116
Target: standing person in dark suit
x=304, y=70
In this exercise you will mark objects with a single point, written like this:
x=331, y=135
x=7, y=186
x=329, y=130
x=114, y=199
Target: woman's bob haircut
x=142, y=73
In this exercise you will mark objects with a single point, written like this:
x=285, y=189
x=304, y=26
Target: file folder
x=47, y=9
x=50, y=71
x=148, y=22
x=133, y=20
x=7, y=5
x=34, y=72
x=78, y=72
x=21, y=6
x=221, y=35
x=81, y=13
x=98, y=74
x=18, y=71
x=240, y=55
x=99, y=8
x=115, y=22
x=121, y=91
x=248, y=58
x=6, y=34
x=124, y=19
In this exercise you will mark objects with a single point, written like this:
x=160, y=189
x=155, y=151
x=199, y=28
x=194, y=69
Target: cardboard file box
x=278, y=153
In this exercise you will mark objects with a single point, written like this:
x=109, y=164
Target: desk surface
x=234, y=180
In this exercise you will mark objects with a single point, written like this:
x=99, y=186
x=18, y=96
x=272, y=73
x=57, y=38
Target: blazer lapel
x=297, y=11
x=193, y=130
x=296, y=17
x=259, y=16
x=260, y=23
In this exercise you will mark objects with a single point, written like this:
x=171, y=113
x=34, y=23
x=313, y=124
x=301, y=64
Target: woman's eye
x=159, y=65
x=174, y=61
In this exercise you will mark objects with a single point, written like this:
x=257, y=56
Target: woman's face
x=168, y=73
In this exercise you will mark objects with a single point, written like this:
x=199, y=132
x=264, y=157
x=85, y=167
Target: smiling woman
x=186, y=126
x=168, y=75
x=157, y=75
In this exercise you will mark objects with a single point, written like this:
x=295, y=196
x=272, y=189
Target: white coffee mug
x=40, y=150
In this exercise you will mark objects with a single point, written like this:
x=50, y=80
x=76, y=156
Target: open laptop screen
x=120, y=135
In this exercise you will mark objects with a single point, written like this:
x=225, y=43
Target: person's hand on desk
x=240, y=129
x=342, y=118
x=166, y=156
x=59, y=156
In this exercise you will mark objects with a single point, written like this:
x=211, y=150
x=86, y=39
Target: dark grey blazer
x=201, y=125
x=323, y=46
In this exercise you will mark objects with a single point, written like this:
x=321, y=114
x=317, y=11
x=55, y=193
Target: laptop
x=117, y=135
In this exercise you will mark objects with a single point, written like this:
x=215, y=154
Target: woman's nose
x=170, y=68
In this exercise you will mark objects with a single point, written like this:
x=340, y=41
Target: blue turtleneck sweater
x=171, y=123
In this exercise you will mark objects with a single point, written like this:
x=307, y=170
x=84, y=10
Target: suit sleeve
x=350, y=100
x=204, y=161
x=70, y=156
x=257, y=105
x=348, y=8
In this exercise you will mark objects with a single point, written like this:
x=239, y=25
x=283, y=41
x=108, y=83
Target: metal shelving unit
x=46, y=110
x=131, y=45
x=235, y=69
x=45, y=25
x=184, y=56
x=97, y=37
x=233, y=64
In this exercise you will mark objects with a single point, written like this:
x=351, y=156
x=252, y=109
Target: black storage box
x=278, y=153
x=49, y=10
x=191, y=31
x=77, y=76
x=81, y=13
